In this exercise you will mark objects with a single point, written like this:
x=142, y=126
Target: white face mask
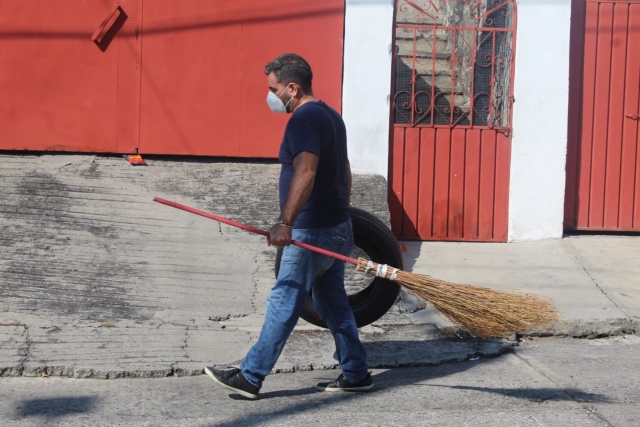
x=276, y=104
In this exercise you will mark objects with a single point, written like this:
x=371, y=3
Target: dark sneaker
x=341, y=384
x=234, y=380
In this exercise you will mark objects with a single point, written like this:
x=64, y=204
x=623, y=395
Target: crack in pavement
x=254, y=279
x=594, y=280
x=183, y=347
x=594, y=412
x=561, y=388
x=27, y=351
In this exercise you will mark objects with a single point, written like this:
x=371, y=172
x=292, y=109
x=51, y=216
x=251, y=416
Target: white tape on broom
x=381, y=270
x=369, y=267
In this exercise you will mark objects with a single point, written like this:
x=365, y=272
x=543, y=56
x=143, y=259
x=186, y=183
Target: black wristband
x=285, y=223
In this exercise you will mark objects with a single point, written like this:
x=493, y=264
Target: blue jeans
x=301, y=271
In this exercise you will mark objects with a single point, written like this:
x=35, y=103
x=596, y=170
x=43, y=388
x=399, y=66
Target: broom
x=482, y=312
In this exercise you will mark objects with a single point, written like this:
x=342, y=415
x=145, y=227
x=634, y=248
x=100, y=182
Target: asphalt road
x=543, y=382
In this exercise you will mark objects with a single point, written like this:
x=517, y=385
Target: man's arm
x=305, y=165
x=349, y=181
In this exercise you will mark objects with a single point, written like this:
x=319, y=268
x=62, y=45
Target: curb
x=587, y=328
x=393, y=346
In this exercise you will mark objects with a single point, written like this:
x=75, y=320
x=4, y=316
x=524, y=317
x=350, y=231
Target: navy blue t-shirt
x=319, y=129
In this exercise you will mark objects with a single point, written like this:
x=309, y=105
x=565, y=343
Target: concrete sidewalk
x=594, y=280
x=99, y=281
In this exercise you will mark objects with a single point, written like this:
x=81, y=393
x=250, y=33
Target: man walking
x=315, y=187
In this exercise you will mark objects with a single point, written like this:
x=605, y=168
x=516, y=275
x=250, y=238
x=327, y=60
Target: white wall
x=367, y=83
x=536, y=202
x=538, y=159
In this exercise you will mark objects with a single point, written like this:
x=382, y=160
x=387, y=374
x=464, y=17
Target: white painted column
x=367, y=83
x=538, y=158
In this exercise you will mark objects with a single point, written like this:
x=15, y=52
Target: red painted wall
x=171, y=77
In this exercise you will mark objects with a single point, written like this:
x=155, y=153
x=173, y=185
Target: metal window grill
x=453, y=63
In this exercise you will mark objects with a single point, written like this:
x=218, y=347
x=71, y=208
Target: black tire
x=380, y=245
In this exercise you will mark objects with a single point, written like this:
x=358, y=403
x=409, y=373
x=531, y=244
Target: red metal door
x=203, y=82
x=603, y=160
x=58, y=89
x=199, y=90
x=451, y=112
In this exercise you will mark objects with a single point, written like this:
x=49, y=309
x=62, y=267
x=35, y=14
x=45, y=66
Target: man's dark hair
x=291, y=68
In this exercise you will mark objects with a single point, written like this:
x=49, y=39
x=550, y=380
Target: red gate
x=158, y=77
x=451, y=112
x=603, y=159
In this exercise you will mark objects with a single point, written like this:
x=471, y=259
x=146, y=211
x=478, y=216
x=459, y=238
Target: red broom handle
x=253, y=229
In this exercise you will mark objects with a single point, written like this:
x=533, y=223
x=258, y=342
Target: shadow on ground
x=535, y=394
x=54, y=407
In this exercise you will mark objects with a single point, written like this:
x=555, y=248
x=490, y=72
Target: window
x=453, y=63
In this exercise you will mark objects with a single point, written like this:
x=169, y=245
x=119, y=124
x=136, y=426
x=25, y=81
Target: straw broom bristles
x=483, y=312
